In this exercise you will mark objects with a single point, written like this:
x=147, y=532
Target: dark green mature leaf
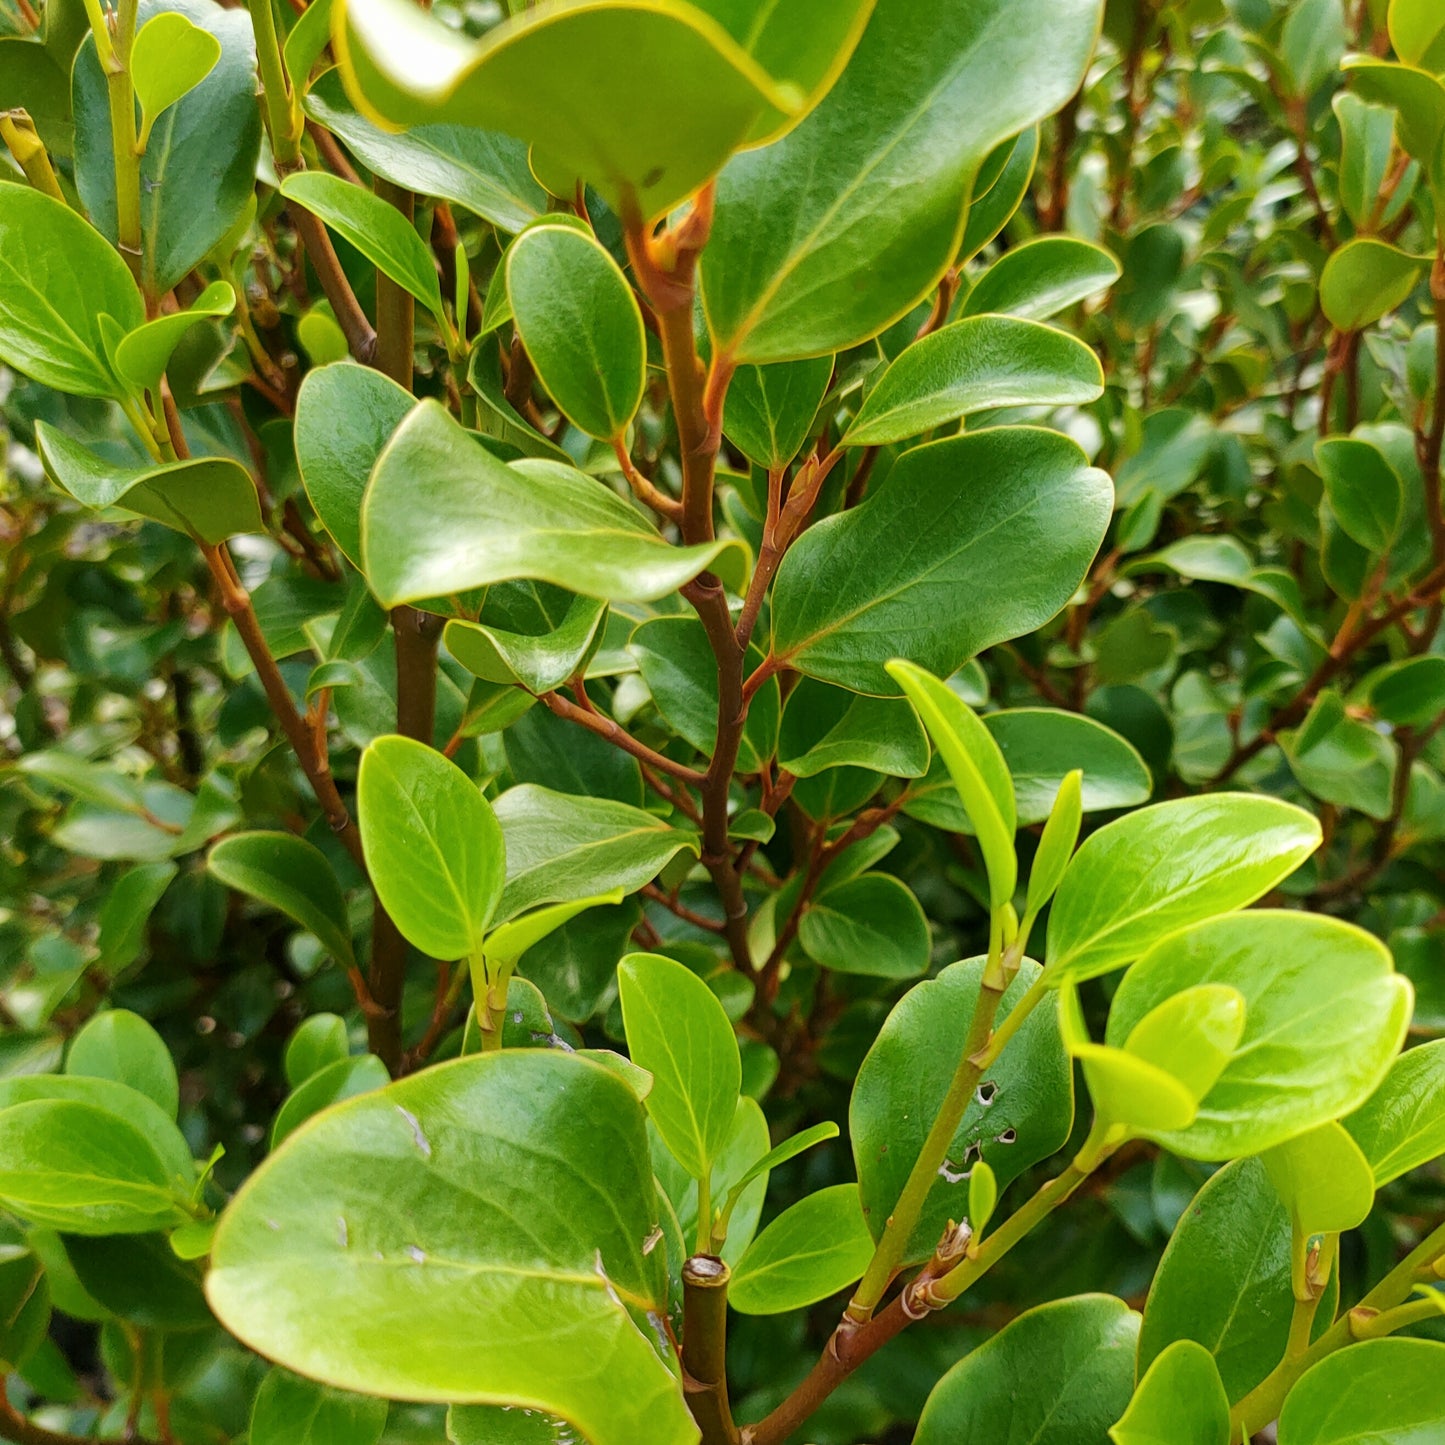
x=212, y=498
x=1010, y=168
x=291, y=875
x=539, y=663
x=561, y=847
x=418, y=1203
x=1384, y=1390
x=1042, y=277
x=770, y=410
x=870, y=925
x=141, y=1279
x=1363, y=490
x=812, y=1250
x=292, y=1411
x=678, y=1032
x=1402, y=1124
x=824, y=238
x=579, y=321
x=1022, y=1113
x=442, y=515
x=980, y=364
x=687, y=84
x=829, y=727
x=1364, y=280
x=58, y=277
x=198, y=174
x=1059, y=1375
x=1011, y=517
x=480, y=169
x=1167, y=866
x=375, y=227
x=1324, y=1015
x=433, y=845
x=1180, y=1401
x=24, y=1298
x=318, y=1041
x=1410, y=692
x=120, y=1045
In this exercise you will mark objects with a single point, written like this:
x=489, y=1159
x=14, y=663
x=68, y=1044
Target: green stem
x=704, y=1211
x=1376, y=1327
x=120, y=93
x=280, y=112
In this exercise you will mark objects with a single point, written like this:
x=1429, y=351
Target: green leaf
x=24, y=1299
x=169, y=58
x=538, y=663
x=502, y=1425
x=212, y=498
x=1402, y=1124
x=434, y=847
x=291, y=1411
x=1056, y=843
x=141, y=1279
x=1385, y=1390
x=678, y=1032
x=810, y=1251
x=1042, y=278
x=1012, y=517
x=73, y=1166
x=1011, y=163
x=486, y=1302
x=1417, y=34
x=318, y=1041
x=482, y=170
x=1409, y=692
x=290, y=875
x=1224, y=1280
x=982, y=1196
x=1312, y=44
x=1165, y=867
x=829, y=727
x=120, y=1045
x=980, y=364
x=770, y=410
x=198, y=175
x=143, y=355
x=826, y=237
x=1323, y=1179
x=781, y=1153
x=1342, y=760
x=686, y=84
x=376, y=228
x=1363, y=490
x=1180, y=1401
x=1059, y=1375
x=58, y=278
x=344, y=1079
x=1367, y=139
x=507, y=944
x=1417, y=98
x=442, y=515
x=872, y=925
x=1364, y=280
x=1324, y=1015
x=126, y=912
x=561, y=847
x=1021, y=1114
x=579, y=321
x=977, y=768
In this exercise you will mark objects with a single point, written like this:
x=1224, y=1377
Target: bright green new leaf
x=58, y=278
x=579, y=321
x=780, y=1154
x=343, y=1079
x=1385, y=1390
x=1133, y=1096
x=814, y=1249
x=1180, y=1401
x=507, y=944
x=291, y=1411
x=1056, y=844
x=1324, y=1015
x=1323, y=1179
x=1059, y=1375
x=1363, y=490
x=211, y=498
x=403, y=1205
x=169, y=58
x=1042, y=278
x=376, y=228
x=678, y=1032
x=318, y=1041
x=1010, y=517
x=870, y=925
x=1417, y=33
x=291, y=875
x=1167, y=866
x=143, y=355
x=1191, y=1035
x=1402, y=1124
x=770, y=410
x=979, y=364
x=982, y=1196
x=442, y=515
x=977, y=768
x=433, y=845
x=120, y=1045
x=1364, y=280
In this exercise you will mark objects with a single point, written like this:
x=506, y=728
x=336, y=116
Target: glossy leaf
x=144, y=353
x=812, y=1250
x=1021, y=1114
x=870, y=925
x=980, y=364
x=1387, y=1390
x=829, y=727
x=1179, y=1401
x=579, y=321
x=1363, y=490
x=344, y=1079
x=24, y=1299
x=1324, y=1015
x=1056, y=843
x=1042, y=278
x=1323, y=1179
x=1185, y=860
x=169, y=57
x=770, y=410
x=561, y=847
x=1012, y=516
x=1402, y=1124
x=486, y=1298
x=442, y=515
x=1059, y=1375
x=678, y=1032
x=788, y=1149
x=1364, y=280
x=120, y=1045
x=538, y=663
x=291, y=875
x=1311, y=44
x=982, y=1196
x=318, y=1041
x=508, y=943
x=433, y=845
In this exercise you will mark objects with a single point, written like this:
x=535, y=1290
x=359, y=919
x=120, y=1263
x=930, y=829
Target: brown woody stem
x=704, y=1348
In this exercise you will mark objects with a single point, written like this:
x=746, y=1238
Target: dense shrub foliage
x=723, y=720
